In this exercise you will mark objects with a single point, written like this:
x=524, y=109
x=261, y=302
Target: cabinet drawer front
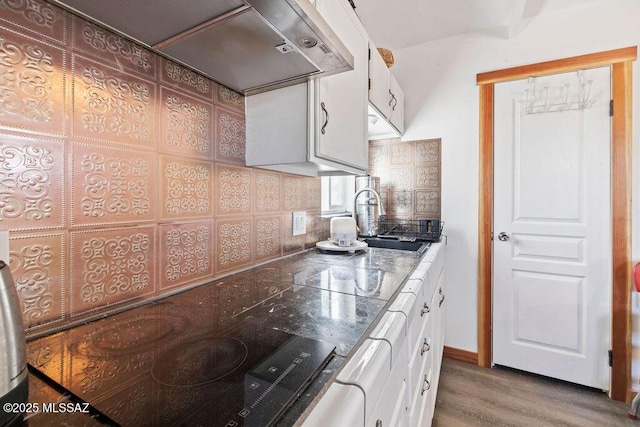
x=416, y=313
x=420, y=355
x=420, y=412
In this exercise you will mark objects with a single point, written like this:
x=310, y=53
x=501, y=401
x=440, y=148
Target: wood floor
x=472, y=396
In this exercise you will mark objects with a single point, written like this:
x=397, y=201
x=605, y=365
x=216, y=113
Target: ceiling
x=402, y=23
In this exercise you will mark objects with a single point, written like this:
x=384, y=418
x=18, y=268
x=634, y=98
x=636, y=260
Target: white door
x=552, y=279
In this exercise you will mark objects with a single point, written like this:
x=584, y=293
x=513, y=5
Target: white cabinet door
x=396, y=115
x=379, y=79
x=340, y=101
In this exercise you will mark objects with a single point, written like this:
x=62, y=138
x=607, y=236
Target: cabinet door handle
x=393, y=108
x=326, y=118
x=427, y=385
x=390, y=98
x=378, y=423
x=441, y=299
x=425, y=309
x=425, y=347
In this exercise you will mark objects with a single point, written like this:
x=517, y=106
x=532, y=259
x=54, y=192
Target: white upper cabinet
x=386, y=99
x=396, y=115
x=320, y=127
x=379, y=78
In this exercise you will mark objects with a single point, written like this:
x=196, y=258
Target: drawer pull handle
x=441, y=299
x=425, y=310
x=427, y=385
x=425, y=347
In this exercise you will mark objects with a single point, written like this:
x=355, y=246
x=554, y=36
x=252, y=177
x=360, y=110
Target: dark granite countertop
x=332, y=297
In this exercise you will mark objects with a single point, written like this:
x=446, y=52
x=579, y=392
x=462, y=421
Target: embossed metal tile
x=183, y=79
x=32, y=77
x=112, y=186
x=428, y=151
x=312, y=194
x=186, y=252
x=112, y=266
x=228, y=98
x=185, y=188
x=293, y=191
x=427, y=176
x=314, y=228
x=268, y=192
x=231, y=139
x=428, y=203
x=234, y=189
x=186, y=125
x=268, y=232
x=401, y=153
x=112, y=106
x=401, y=202
x=401, y=178
x=111, y=48
x=378, y=154
x=36, y=16
x=32, y=182
x=233, y=244
x=39, y=270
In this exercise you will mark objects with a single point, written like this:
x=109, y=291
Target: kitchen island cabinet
x=319, y=127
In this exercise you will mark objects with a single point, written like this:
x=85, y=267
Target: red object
x=636, y=276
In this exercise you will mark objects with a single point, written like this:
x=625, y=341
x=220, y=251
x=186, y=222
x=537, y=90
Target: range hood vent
x=249, y=46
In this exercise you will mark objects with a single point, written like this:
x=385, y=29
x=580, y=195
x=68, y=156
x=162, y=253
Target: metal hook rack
x=562, y=98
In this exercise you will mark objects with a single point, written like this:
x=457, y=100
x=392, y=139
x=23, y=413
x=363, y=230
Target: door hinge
x=369, y=54
x=369, y=84
x=611, y=108
x=610, y=357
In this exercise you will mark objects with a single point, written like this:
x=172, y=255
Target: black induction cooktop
x=176, y=363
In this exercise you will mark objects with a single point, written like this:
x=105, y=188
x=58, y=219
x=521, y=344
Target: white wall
x=439, y=82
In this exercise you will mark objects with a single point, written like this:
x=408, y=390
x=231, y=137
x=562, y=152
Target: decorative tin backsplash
x=122, y=174
x=410, y=176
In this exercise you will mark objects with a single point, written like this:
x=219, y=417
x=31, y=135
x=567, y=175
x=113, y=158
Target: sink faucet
x=371, y=190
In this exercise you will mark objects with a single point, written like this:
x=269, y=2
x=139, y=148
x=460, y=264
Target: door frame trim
x=621, y=180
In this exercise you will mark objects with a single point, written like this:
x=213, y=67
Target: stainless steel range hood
x=249, y=46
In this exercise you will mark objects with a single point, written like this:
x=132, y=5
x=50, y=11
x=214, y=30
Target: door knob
x=503, y=237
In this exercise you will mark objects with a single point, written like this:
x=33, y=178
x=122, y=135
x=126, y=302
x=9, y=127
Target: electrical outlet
x=299, y=223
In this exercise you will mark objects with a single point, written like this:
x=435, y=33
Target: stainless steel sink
x=404, y=245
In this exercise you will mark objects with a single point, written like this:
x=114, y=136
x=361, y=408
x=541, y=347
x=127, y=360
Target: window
x=337, y=194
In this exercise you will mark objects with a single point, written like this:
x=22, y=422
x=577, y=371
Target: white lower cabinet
x=396, y=369
x=350, y=401
x=390, y=407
